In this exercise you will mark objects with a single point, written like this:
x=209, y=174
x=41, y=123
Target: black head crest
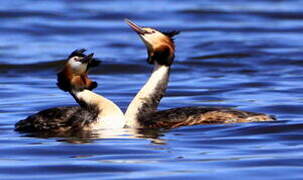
x=78, y=52
x=171, y=34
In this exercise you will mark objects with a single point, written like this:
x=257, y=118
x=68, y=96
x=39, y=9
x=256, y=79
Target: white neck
x=110, y=115
x=148, y=98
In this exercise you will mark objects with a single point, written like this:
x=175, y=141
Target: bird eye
x=76, y=58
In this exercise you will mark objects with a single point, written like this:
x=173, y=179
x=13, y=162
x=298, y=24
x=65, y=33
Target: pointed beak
x=87, y=58
x=135, y=27
x=92, y=62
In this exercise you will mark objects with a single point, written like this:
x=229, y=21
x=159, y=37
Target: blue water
x=242, y=54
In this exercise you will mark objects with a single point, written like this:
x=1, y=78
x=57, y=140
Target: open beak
x=92, y=62
x=87, y=58
x=135, y=27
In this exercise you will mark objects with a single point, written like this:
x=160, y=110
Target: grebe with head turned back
x=142, y=111
x=94, y=112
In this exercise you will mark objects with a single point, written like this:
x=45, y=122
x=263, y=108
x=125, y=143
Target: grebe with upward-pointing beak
x=142, y=111
x=94, y=112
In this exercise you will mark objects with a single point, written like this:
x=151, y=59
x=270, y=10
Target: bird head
x=160, y=45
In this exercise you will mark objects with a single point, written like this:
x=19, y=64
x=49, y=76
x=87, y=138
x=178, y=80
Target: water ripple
x=242, y=54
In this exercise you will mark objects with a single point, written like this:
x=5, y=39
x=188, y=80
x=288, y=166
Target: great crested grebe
x=142, y=111
x=94, y=112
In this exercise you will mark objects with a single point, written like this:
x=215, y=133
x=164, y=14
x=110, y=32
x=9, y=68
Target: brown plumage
x=59, y=119
x=62, y=119
x=69, y=78
x=186, y=116
x=66, y=79
x=142, y=111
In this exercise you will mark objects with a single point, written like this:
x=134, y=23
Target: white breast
x=109, y=122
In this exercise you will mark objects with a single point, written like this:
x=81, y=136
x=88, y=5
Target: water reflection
x=82, y=137
x=243, y=54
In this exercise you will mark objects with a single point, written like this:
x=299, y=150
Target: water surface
x=241, y=54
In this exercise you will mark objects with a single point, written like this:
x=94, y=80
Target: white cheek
x=78, y=66
x=153, y=39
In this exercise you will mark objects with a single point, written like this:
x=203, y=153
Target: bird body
x=94, y=112
x=142, y=111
